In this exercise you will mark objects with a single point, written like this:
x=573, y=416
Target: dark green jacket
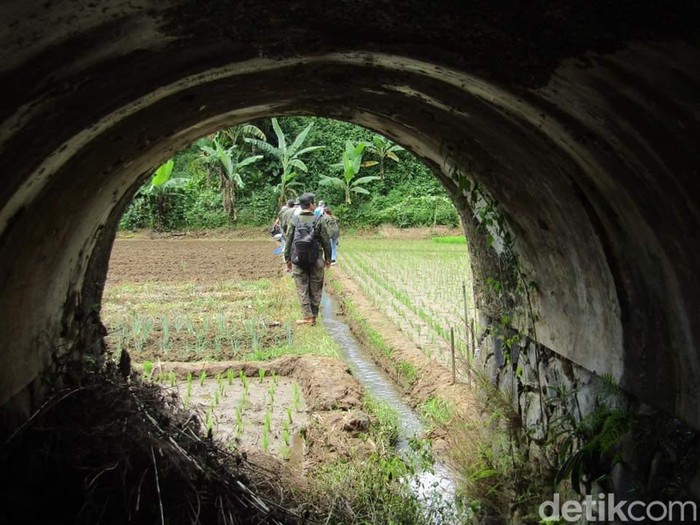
x=285, y=216
x=324, y=239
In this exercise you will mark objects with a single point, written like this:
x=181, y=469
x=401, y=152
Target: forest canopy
x=243, y=174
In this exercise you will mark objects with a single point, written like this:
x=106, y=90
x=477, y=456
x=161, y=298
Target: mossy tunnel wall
x=581, y=121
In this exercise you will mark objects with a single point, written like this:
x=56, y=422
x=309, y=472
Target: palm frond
x=368, y=178
x=248, y=160
x=162, y=174
x=391, y=155
x=297, y=163
x=265, y=146
x=299, y=140
x=308, y=149
x=250, y=129
x=281, y=140
x=332, y=181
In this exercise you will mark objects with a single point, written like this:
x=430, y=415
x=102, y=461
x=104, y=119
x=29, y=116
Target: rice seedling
x=202, y=377
x=244, y=382
x=267, y=423
x=172, y=378
x=261, y=374
x=265, y=439
x=290, y=334
x=420, y=285
x=147, y=369
x=286, y=432
x=165, y=335
x=297, y=397
x=271, y=393
x=229, y=376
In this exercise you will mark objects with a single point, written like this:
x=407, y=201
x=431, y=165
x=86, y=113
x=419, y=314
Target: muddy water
x=435, y=488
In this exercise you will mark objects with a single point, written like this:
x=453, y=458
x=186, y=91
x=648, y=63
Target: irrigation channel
x=434, y=487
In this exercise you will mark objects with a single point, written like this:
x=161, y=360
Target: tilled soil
x=331, y=395
x=196, y=260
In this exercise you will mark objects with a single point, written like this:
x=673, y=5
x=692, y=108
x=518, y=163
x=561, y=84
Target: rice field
x=423, y=286
x=188, y=321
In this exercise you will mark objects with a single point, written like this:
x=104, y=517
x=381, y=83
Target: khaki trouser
x=309, y=287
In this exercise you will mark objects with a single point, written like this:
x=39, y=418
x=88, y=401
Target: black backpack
x=305, y=243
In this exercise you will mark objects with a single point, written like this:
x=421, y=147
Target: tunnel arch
x=591, y=156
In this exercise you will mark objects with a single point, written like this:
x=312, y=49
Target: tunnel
x=580, y=120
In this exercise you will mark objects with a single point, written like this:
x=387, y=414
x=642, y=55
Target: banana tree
x=288, y=158
x=383, y=149
x=228, y=162
x=351, y=165
x=162, y=186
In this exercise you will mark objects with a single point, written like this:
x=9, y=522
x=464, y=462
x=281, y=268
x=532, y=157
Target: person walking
x=333, y=231
x=279, y=227
x=308, y=263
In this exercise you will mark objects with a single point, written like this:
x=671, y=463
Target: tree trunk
x=228, y=198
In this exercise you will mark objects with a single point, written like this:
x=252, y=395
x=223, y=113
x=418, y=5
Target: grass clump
x=450, y=239
x=371, y=490
x=436, y=410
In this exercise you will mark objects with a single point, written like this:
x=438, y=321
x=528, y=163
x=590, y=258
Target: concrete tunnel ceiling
x=582, y=121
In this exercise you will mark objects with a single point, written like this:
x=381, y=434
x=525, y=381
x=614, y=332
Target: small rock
x=355, y=421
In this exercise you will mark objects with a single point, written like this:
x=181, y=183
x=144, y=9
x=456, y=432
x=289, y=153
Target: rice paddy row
x=252, y=320
x=419, y=284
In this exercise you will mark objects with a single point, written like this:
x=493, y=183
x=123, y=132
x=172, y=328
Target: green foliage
x=437, y=410
x=450, y=239
x=588, y=446
x=351, y=165
x=289, y=158
x=205, y=187
x=383, y=149
x=163, y=173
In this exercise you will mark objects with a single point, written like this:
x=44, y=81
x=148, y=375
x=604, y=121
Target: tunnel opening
x=588, y=153
x=178, y=332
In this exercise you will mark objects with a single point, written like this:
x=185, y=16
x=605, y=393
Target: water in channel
x=435, y=487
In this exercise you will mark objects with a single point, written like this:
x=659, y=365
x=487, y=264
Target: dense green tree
x=351, y=165
x=383, y=149
x=408, y=195
x=161, y=188
x=289, y=158
x=229, y=161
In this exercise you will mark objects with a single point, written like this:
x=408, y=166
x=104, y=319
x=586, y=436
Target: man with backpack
x=308, y=254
